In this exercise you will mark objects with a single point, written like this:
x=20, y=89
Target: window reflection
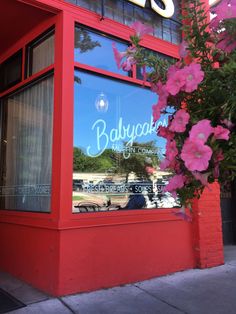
x=96, y=50
x=148, y=53
x=116, y=151
x=127, y=13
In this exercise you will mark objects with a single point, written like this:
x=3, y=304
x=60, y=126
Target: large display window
x=26, y=148
x=116, y=150
x=26, y=126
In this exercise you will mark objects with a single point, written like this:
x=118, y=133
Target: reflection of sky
x=101, y=56
x=130, y=108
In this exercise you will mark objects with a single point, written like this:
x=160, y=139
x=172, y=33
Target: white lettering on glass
x=129, y=132
x=167, y=12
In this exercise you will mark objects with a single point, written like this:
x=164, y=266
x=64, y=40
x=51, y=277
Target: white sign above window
x=167, y=12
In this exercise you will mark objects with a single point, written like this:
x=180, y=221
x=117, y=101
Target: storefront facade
x=69, y=115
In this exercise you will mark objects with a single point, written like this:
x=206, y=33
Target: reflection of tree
x=84, y=43
x=137, y=162
x=84, y=163
x=83, y=40
x=77, y=79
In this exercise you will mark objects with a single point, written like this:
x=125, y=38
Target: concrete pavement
x=208, y=291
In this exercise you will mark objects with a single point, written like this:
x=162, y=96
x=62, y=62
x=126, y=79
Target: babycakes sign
x=167, y=12
x=105, y=138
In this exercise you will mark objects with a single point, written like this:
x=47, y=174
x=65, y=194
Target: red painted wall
x=87, y=258
x=30, y=254
x=101, y=257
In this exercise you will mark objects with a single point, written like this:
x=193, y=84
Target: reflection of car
x=78, y=184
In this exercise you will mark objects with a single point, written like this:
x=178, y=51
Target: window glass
x=40, y=53
x=96, y=50
x=92, y=5
x=175, y=33
x=166, y=29
x=26, y=148
x=114, y=10
x=116, y=150
x=148, y=52
x=126, y=12
x=11, y=71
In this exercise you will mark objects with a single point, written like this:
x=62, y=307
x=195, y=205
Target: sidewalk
x=209, y=291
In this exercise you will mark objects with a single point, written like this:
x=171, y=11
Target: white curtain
x=43, y=55
x=26, y=148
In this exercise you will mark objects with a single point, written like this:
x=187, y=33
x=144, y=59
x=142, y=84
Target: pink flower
x=165, y=163
x=175, y=82
x=153, y=87
x=174, y=194
x=172, y=69
x=144, y=73
x=118, y=55
x=228, y=124
x=127, y=65
x=224, y=10
x=162, y=103
x=181, y=119
x=214, y=23
x=165, y=132
x=162, y=95
x=202, y=177
x=171, y=150
x=176, y=182
x=183, y=52
x=173, y=165
x=221, y=133
x=201, y=131
x=193, y=76
x=217, y=158
x=131, y=50
x=196, y=155
x=141, y=29
x=226, y=43
x=161, y=90
x=216, y=170
x=156, y=113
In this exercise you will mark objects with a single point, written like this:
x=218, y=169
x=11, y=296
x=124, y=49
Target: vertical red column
x=63, y=117
x=207, y=228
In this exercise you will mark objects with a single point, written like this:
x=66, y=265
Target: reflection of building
x=54, y=61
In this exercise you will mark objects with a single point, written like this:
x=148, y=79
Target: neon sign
x=167, y=12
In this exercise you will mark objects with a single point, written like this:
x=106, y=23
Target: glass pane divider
x=27, y=81
x=111, y=74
